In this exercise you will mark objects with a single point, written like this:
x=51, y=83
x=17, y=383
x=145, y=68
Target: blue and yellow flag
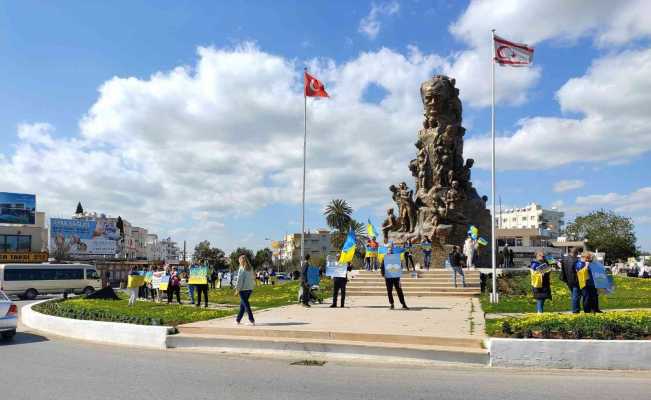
x=482, y=241
x=370, y=229
x=473, y=232
x=348, y=250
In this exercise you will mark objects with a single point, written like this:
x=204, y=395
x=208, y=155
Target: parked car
x=8, y=317
x=29, y=280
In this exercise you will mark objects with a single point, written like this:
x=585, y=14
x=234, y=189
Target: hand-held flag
x=348, y=250
x=511, y=53
x=314, y=87
x=370, y=229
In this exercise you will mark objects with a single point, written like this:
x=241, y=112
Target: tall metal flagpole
x=494, y=298
x=304, y=156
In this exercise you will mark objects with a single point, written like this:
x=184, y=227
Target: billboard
x=80, y=237
x=17, y=208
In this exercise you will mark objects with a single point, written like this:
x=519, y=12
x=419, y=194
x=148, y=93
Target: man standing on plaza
x=391, y=270
x=305, y=282
x=569, y=276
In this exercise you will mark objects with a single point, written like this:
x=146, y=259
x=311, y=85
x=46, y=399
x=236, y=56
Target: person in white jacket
x=469, y=248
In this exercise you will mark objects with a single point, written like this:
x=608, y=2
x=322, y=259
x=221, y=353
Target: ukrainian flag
x=381, y=252
x=348, y=250
x=370, y=229
x=473, y=232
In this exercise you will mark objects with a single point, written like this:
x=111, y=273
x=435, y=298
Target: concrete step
x=411, y=284
x=416, y=294
x=326, y=349
x=260, y=331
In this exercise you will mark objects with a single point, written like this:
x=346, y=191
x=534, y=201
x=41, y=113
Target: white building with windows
x=317, y=244
x=532, y=216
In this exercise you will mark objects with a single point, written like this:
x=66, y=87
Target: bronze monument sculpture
x=445, y=202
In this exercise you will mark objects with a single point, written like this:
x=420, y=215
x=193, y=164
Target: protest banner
x=164, y=282
x=336, y=270
x=392, y=267
x=135, y=281
x=313, y=277
x=198, y=275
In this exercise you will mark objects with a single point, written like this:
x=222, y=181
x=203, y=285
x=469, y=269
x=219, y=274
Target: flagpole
x=494, y=298
x=304, y=157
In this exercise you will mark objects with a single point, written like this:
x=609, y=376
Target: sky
x=186, y=117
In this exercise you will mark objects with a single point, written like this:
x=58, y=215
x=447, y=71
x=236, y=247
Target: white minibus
x=29, y=280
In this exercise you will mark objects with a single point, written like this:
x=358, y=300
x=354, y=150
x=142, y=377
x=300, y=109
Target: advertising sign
x=24, y=257
x=79, y=237
x=392, y=267
x=198, y=275
x=17, y=208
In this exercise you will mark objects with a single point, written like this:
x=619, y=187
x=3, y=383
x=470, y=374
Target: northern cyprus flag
x=511, y=53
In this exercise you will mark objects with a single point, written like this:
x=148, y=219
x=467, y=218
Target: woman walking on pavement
x=244, y=288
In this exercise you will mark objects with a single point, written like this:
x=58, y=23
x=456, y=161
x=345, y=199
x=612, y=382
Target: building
x=139, y=238
x=524, y=242
x=533, y=216
x=24, y=242
x=153, y=248
x=317, y=245
x=170, y=251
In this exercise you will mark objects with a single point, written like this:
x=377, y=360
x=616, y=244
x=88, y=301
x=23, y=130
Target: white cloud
x=631, y=203
x=531, y=22
x=180, y=151
x=370, y=24
x=613, y=99
x=567, y=185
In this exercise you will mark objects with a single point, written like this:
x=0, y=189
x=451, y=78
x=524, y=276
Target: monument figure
x=444, y=202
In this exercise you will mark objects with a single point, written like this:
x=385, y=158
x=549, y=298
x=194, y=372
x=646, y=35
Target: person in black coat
x=392, y=283
x=339, y=285
x=568, y=275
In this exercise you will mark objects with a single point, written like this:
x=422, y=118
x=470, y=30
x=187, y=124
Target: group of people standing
x=372, y=251
x=577, y=275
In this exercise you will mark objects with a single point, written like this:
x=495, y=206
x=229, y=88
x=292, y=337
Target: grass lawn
x=264, y=296
x=629, y=293
x=142, y=313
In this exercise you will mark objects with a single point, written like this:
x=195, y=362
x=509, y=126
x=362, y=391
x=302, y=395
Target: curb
x=152, y=337
x=567, y=353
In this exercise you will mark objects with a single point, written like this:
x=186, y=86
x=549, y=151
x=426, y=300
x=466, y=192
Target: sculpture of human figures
x=389, y=224
x=452, y=197
x=469, y=248
x=407, y=208
x=465, y=173
x=421, y=161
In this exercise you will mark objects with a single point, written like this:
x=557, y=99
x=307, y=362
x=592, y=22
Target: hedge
x=607, y=326
x=142, y=313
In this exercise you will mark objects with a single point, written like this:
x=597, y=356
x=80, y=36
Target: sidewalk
x=434, y=329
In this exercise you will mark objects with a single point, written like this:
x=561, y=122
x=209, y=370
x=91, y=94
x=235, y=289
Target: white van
x=29, y=280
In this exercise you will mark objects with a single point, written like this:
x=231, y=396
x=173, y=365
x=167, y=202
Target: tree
x=338, y=214
x=215, y=257
x=235, y=254
x=339, y=217
x=262, y=257
x=607, y=232
x=80, y=209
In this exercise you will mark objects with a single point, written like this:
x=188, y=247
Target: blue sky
x=196, y=132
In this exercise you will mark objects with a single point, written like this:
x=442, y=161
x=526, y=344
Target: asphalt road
x=35, y=367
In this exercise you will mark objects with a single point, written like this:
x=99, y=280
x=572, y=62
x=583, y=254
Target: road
x=36, y=367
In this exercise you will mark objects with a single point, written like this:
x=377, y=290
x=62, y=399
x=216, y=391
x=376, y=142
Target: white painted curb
x=97, y=331
x=565, y=353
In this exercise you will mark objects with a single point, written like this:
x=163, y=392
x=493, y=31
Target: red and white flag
x=511, y=53
x=314, y=87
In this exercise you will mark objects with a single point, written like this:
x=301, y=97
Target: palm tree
x=338, y=215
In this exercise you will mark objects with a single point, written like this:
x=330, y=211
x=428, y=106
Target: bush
x=142, y=313
x=608, y=326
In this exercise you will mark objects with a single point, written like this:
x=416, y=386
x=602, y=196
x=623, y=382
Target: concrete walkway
x=365, y=317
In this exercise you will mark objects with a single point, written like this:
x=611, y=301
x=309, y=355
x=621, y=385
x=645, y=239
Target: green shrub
x=142, y=313
x=606, y=326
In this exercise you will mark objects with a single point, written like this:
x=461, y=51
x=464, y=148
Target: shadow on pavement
x=23, y=338
x=412, y=308
x=283, y=323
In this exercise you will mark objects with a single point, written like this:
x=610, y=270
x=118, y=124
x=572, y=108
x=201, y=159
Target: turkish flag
x=511, y=53
x=314, y=87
